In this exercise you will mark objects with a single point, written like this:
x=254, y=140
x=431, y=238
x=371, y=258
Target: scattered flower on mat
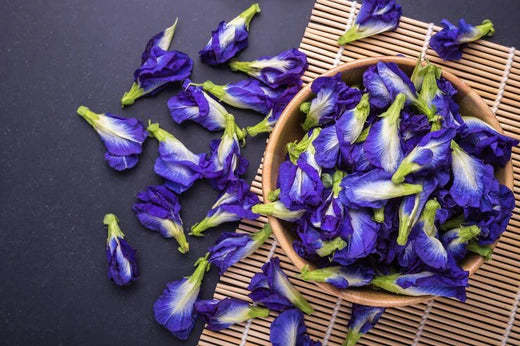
x=288, y=329
x=233, y=204
x=283, y=69
x=450, y=41
x=158, y=67
x=374, y=17
x=122, y=264
x=229, y=38
x=123, y=137
x=175, y=308
x=158, y=208
x=273, y=289
x=362, y=319
x=222, y=314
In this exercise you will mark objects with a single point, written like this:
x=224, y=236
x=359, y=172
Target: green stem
x=261, y=127
x=201, y=267
x=216, y=90
x=88, y=115
x=130, y=96
x=155, y=131
x=199, y=227
x=256, y=311
x=248, y=14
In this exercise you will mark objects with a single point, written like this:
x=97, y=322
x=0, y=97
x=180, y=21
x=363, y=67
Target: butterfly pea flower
x=122, y=264
x=283, y=69
x=332, y=98
x=327, y=147
x=229, y=38
x=158, y=67
x=222, y=314
x=451, y=40
x=362, y=319
x=225, y=163
x=123, y=137
x=158, y=209
x=231, y=248
x=373, y=189
x=247, y=94
x=175, y=308
x=278, y=210
x=354, y=157
x=379, y=95
x=329, y=214
x=176, y=163
x=288, y=329
x=273, y=289
x=471, y=177
x=340, y=276
x=413, y=128
x=351, y=123
x=383, y=144
x=374, y=17
x=482, y=140
x=432, y=152
x=312, y=242
x=192, y=103
x=233, y=204
x=451, y=285
x=279, y=104
x=457, y=239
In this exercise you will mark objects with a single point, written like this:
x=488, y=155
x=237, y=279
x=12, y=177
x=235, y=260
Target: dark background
x=55, y=186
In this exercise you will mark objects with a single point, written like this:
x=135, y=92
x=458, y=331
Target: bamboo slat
x=489, y=316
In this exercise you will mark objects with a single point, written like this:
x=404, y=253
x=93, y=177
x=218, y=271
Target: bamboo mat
x=489, y=315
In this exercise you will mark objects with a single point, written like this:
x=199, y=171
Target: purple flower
x=229, y=38
x=340, y=276
x=158, y=209
x=375, y=16
x=288, y=329
x=176, y=163
x=194, y=104
x=122, y=265
x=273, y=289
x=456, y=240
x=482, y=140
x=175, y=308
x=222, y=314
x=413, y=128
x=225, y=163
x=231, y=248
x=333, y=97
x=233, y=204
x=328, y=216
x=123, y=137
x=158, y=67
x=285, y=68
x=313, y=242
x=379, y=95
x=362, y=319
x=450, y=41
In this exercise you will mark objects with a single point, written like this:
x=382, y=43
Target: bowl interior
x=288, y=129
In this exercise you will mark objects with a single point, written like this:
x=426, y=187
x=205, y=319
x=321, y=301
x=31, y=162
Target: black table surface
x=56, y=187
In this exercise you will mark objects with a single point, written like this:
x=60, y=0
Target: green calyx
x=277, y=209
x=453, y=223
x=379, y=215
x=273, y=195
x=485, y=29
x=155, y=131
x=201, y=267
x=261, y=236
x=418, y=73
x=219, y=91
x=305, y=107
x=262, y=127
x=256, y=311
x=337, y=178
x=466, y=233
x=387, y=282
x=176, y=231
x=429, y=86
x=318, y=275
x=394, y=111
x=130, y=96
x=328, y=247
x=231, y=129
x=112, y=223
x=248, y=14
x=296, y=148
x=242, y=66
x=362, y=109
x=352, y=338
x=428, y=216
x=198, y=228
x=485, y=251
x=350, y=36
x=406, y=222
x=405, y=167
x=88, y=115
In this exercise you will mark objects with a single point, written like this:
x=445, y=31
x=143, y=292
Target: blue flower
x=482, y=140
x=362, y=319
x=176, y=163
x=225, y=162
x=158, y=67
x=273, y=289
x=229, y=38
x=327, y=147
x=314, y=242
x=285, y=68
x=222, y=314
x=383, y=144
x=450, y=285
x=354, y=157
x=231, y=248
x=175, y=308
x=233, y=204
x=374, y=17
x=351, y=123
x=288, y=329
x=194, y=104
x=123, y=137
x=471, y=178
x=340, y=276
x=447, y=113
x=158, y=209
x=333, y=97
x=450, y=41
x=278, y=210
x=379, y=95
x=247, y=94
x=373, y=189
x=456, y=240
x=122, y=265
x=413, y=128
x=328, y=216
x=279, y=104
x=432, y=152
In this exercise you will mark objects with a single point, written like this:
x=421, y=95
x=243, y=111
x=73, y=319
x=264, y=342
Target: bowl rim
x=363, y=296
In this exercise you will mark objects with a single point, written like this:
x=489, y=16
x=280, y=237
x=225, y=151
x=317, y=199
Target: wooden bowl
x=288, y=129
